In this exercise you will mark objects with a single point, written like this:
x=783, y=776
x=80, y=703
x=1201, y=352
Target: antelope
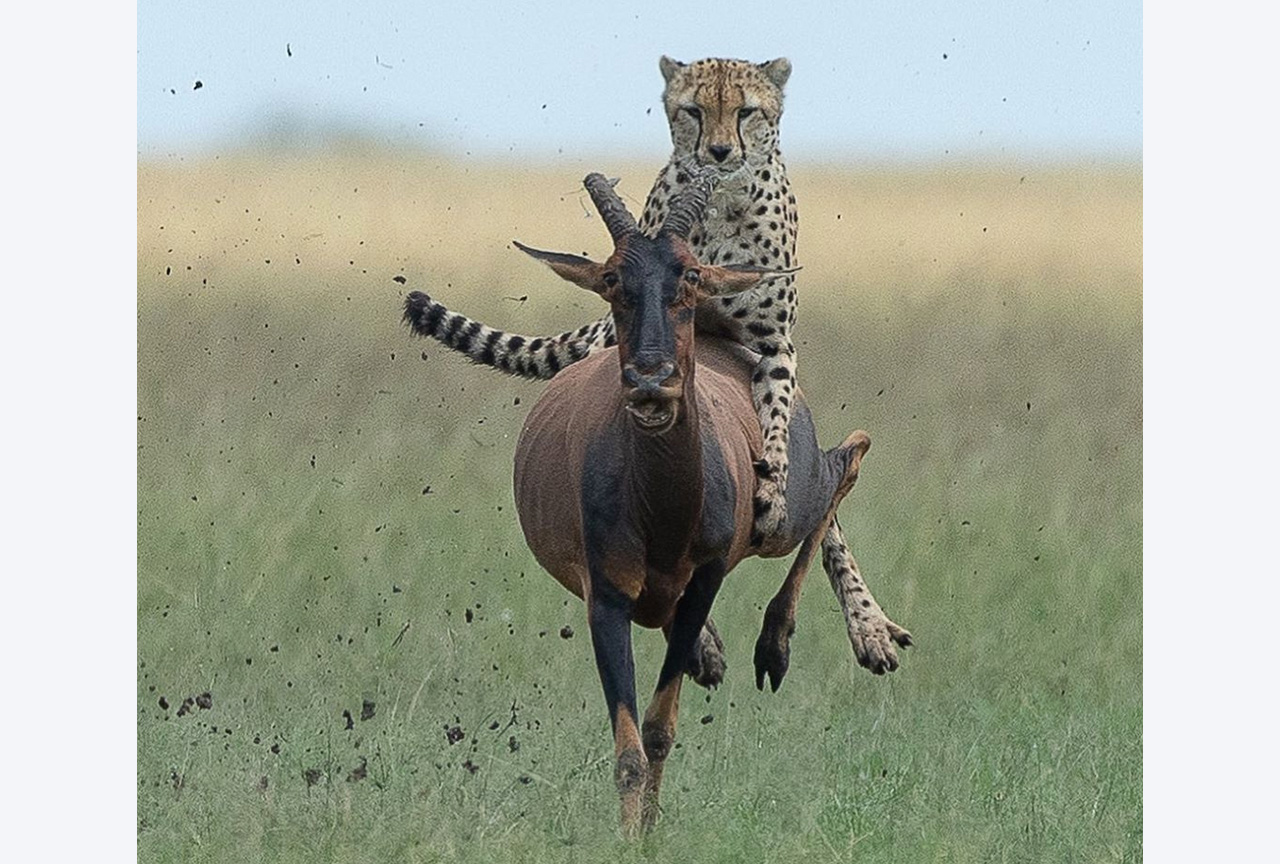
x=634, y=476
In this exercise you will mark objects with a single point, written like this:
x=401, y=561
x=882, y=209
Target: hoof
x=772, y=659
x=631, y=775
x=773, y=648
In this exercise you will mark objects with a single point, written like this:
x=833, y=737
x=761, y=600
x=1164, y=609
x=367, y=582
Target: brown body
x=581, y=405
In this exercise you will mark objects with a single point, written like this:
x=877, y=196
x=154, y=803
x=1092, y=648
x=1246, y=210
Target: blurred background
x=332, y=586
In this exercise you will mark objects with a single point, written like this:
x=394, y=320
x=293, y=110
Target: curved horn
x=687, y=207
x=613, y=212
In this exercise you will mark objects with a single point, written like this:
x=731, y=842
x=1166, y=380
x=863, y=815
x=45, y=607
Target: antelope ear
x=735, y=278
x=582, y=272
x=669, y=67
x=777, y=71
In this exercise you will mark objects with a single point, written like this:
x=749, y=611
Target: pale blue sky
x=879, y=79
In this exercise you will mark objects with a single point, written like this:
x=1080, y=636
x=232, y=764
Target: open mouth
x=652, y=415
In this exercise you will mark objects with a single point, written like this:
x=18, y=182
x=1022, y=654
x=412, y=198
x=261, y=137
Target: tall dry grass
x=873, y=230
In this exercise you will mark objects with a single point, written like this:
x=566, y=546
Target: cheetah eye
x=744, y=113
x=611, y=280
x=692, y=276
x=693, y=111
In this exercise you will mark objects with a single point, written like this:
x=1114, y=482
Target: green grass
x=288, y=429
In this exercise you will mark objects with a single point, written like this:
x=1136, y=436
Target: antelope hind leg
x=773, y=647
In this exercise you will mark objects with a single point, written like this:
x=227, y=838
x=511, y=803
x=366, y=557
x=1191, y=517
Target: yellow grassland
x=1070, y=229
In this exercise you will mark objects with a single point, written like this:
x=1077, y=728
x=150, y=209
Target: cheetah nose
x=720, y=151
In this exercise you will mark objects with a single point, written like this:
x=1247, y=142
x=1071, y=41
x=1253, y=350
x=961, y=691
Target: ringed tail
x=537, y=357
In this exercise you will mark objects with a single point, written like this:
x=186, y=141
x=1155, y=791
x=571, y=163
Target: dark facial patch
x=650, y=273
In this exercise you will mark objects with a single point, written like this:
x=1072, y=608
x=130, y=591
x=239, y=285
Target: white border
x=69, y=355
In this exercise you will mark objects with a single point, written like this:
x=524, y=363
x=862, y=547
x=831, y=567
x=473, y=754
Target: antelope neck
x=666, y=485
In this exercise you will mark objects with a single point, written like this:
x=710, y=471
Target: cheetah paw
x=770, y=504
x=875, y=641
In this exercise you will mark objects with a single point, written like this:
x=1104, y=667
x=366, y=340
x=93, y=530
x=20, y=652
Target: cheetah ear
x=735, y=278
x=777, y=71
x=669, y=67
x=582, y=272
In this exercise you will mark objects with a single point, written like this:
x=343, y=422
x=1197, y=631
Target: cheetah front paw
x=770, y=504
x=875, y=640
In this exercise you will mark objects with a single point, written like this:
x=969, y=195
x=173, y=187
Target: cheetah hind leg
x=874, y=637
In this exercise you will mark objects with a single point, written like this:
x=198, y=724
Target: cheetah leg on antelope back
x=762, y=320
x=773, y=387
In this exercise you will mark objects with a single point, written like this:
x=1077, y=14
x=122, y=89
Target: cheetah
x=724, y=117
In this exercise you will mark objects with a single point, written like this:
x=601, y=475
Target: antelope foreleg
x=609, y=619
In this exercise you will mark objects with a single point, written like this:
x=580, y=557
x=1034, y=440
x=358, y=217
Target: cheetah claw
x=874, y=638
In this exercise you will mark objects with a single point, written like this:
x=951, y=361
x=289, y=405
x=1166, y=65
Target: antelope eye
x=692, y=276
x=744, y=113
x=693, y=111
x=611, y=279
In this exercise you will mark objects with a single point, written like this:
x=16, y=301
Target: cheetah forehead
x=730, y=80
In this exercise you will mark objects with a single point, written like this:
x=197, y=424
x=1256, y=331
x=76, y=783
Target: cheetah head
x=724, y=113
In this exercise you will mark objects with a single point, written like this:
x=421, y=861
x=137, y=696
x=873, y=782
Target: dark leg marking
x=609, y=616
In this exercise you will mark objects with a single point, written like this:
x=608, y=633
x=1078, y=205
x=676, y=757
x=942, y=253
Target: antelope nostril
x=663, y=372
x=720, y=151
x=646, y=381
